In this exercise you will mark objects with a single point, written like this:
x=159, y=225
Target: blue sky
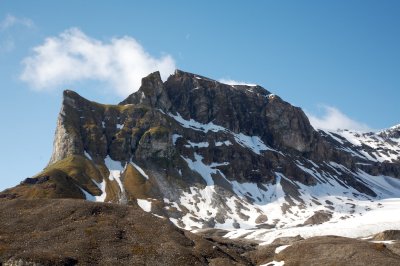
x=338, y=60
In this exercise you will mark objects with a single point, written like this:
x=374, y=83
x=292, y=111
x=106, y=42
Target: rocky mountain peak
x=393, y=132
x=249, y=109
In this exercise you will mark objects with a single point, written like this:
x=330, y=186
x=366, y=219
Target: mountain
x=220, y=160
x=210, y=155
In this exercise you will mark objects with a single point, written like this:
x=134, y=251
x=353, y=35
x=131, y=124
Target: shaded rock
x=318, y=217
x=287, y=240
x=387, y=235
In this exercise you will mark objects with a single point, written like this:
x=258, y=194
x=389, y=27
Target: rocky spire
x=67, y=140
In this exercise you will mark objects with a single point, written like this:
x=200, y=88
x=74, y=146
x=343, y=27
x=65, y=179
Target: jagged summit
x=206, y=154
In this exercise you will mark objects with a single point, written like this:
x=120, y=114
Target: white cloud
x=10, y=21
x=235, y=82
x=334, y=119
x=73, y=56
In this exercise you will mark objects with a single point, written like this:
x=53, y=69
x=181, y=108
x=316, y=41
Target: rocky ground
x=77, y=232
x=70, y=232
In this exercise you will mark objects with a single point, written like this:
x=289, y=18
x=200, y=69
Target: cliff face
x=207, y=154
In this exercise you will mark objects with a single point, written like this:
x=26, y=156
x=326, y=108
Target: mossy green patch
x=63, y=180
x=136, y=185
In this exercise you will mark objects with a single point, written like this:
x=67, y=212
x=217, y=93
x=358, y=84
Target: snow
x=192, y=124
x=333, y=136
x=87, y=155
x=197, y=144
x=119, y=126
x=236, y=83
x=387, y=242
x=144, y=204
x=383, y=185
x=88, y=196
x=274, y=263
x=206, y=171
x=347, y=206
x=371, y=222
x=371, y=146
x=352, y=138
x=113, y=165
x=253, y=143
x=353, y=214
x=281, y=248
x=220, y=143
x=140, y=170
x=115, y=168
x=175, y=137
x=102, y=187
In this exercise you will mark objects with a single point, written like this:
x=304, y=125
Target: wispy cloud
x=235, y=82
x=333, y=119
x=10, y=21
x=73, y=56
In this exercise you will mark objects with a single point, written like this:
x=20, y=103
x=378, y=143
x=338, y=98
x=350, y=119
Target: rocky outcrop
x=326, y=250
x=387, y=235
x=67, y=140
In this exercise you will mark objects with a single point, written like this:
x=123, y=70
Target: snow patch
x=281, y=248
x=140, y=170
x=197, y=144
x=253, y=143
x=144, y=204
x=115, y=168
x=175, y=137
x=206, y=171
x=274, y=263
x=87, y=155
x=220, y=143
x=102, y=187
x=88, y=196
x=192, y=124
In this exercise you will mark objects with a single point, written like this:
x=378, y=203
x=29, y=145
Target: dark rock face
x=207, y=154
x=251, y=110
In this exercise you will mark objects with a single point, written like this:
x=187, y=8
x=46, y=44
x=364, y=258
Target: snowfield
x=383, y=218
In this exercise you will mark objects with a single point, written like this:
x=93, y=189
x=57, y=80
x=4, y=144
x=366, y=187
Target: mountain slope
x=77, y=232
x=206, y=154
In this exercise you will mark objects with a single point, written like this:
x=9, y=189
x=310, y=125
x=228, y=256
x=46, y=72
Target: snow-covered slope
x=381, y=215
x=375, y=147
x=284, y=204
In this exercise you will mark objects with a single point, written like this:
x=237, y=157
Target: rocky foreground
x=77, y=232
